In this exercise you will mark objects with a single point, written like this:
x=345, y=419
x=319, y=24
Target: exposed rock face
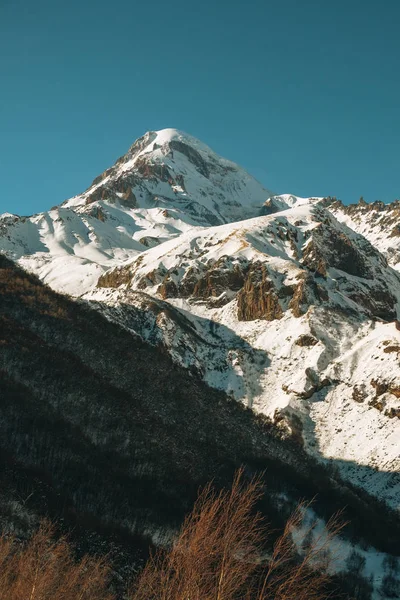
x=98, y=213
x=380, y=386
x=100, y=193
x=359, y=394
x=114, y=278
x=168, y=288
x=152, y=171
x=217, y=280
x=258, y=299
x=192, y=155
x=305, y=294
x=127, y=196
x=149, y=241
x=395, y=390
x=249, y=303
x=393, y=413
x=121, y=192
x=314, y=385
x=377, y=221
x=314, y=259
x=383, y=387
x=306, y=340
x=377, y=300
x=221, y=278
x=331, y=248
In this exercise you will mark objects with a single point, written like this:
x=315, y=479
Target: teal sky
x=303, y=93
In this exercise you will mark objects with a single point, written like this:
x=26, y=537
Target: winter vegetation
x=222, y=551
x=286, y=304
x=213, y=331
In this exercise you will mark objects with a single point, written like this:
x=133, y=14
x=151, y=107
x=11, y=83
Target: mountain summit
x=172, y=170
x=289, y=305
x=167, y=183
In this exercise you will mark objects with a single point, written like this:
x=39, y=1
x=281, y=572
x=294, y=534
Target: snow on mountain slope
x=293, y=313
x=167, y=183
x=278, y=300
x=378, y=222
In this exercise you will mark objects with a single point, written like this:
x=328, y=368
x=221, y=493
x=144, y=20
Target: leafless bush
x=44, y=569
x=219, y=554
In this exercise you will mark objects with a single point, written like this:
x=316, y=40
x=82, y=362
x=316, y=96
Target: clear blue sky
x=305, y=94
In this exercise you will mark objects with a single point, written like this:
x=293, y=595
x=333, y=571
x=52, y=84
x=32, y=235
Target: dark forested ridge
x=104, y=434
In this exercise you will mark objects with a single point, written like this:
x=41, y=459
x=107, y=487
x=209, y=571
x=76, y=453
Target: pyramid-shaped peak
x=173, y=171
x=165, y=138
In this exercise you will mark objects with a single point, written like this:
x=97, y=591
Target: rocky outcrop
x=376, y=300
x=191, y=154
x=258, y=298
x=314, y=260
x=126, y=195
x=313, y=385
x=381, y=387
x=306, y=340
x=121, y=191
x=332, y=248
x=215, y=283
x=379, y=223
x=168, y=288
x=114, y=278
x=394, y=390
x=305, y=293
x=152, y=171
x=149, y=241
x=392, y=413
x=222, y=277
x=359, y=394
x=98, y=213
x=100, y=193
x=389, y=348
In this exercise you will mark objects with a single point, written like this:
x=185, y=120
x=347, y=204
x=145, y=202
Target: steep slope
x=167, y=183
x=293, y=313
x=279, y=301
x=378, y=222
x=104, y=433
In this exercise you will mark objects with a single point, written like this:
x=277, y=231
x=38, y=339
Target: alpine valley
x=176, y=320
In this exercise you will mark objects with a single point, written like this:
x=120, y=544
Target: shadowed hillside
x=106, y=435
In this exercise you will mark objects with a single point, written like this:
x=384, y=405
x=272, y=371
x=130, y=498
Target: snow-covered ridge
x=167, y=183
x=378, y=222
x=294, y=314
x=286, y=303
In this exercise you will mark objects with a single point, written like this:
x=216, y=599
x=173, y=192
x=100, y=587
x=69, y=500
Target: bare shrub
x=216, y=552
x=44, y=569
x=220, y=554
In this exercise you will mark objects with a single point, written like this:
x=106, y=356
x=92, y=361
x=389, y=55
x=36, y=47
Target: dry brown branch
x=218, y=554
x=44, y=569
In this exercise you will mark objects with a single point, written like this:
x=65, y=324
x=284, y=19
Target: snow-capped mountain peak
x=172, y=169
x=166, y=184
x=289, y=304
